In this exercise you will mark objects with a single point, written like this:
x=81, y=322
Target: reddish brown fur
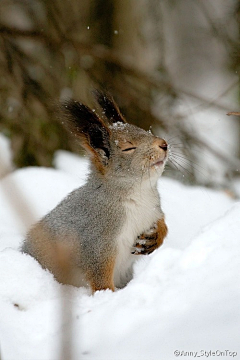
x=153, y=240
x=162, y=231
x=94, y=157
x=102, y=279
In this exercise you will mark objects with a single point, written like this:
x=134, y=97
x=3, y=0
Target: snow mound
x=28, y=194
x=188, y=209
x=72, y=164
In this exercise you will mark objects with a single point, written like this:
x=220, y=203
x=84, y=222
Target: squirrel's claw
x=143, y=250
x=147, y=242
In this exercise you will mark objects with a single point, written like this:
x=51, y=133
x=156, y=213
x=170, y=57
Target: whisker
x=181, y=156
x=186, y=170
x=176, y=167
x=192, y=163
x=178, y=158
x=173, y=137
x=191, y=150
x=184, y=164
x=172, y=145
x=177, y=144
x=195, y=168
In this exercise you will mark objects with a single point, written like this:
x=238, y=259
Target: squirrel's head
x=117, y=149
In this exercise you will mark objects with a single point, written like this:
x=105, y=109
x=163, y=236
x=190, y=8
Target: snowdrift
x=183, y=298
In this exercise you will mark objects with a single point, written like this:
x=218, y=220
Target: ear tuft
x=81, y=121
x=109, y=107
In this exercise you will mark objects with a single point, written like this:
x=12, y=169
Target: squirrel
x=100, y=227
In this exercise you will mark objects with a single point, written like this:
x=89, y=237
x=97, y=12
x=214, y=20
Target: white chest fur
x=142, y=211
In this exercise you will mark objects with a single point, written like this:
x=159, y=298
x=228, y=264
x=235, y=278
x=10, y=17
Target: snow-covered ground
x=183, y=302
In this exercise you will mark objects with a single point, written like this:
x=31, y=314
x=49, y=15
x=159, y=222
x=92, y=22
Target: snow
x=118, y=125
x=183, y=297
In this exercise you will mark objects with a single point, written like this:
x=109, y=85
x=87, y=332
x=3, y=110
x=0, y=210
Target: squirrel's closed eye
x=129, y=149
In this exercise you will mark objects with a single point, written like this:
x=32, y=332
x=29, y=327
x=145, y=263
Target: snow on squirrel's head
x=117, y=149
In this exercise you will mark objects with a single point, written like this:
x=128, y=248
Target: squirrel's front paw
x=147, y=242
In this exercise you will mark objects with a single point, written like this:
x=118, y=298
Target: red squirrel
x=117, y=214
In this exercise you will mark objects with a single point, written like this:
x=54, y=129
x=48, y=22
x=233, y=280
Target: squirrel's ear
x=82, y=122
x=110, y=108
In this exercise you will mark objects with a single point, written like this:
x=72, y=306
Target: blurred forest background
x=170, y=64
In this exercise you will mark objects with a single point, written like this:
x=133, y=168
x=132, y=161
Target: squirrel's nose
x=161, y=143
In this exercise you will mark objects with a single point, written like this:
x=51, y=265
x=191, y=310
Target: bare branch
x=235, y=113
